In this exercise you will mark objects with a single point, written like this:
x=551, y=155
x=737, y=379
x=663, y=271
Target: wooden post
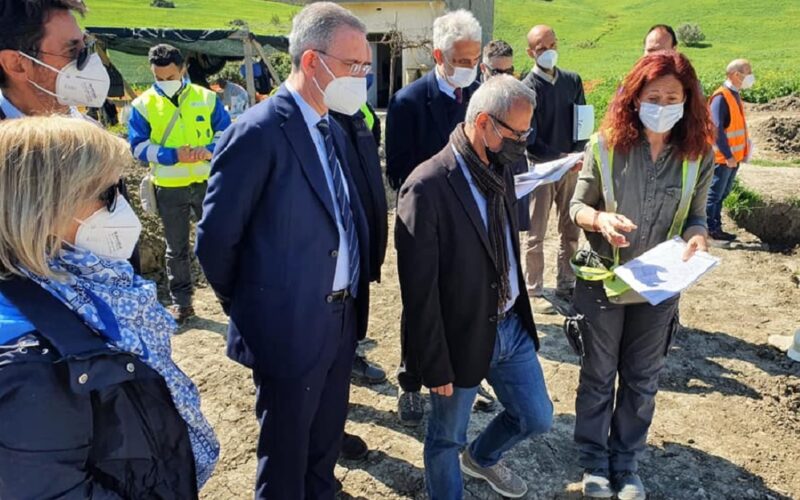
x=248, y=66
x=263, y=56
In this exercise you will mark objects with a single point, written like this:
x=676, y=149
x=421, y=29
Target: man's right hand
x=443, y=390
x=187, y=155
x=731, y=162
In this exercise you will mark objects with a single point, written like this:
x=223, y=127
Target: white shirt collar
x=731, y=86
x=310, y=115
x=445, y=87
x=544, y=76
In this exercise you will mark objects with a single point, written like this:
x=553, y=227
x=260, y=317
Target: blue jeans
x=721, y=186
x=517, y=379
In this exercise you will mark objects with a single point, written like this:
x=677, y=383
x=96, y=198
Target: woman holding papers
x=644, y=180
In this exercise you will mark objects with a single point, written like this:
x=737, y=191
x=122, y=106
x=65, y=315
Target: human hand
x=186, y=155
x=611, y=226
x=443, y=390
x=731, y=162
x=202, y=154
x=697, y=243
x=578, y=166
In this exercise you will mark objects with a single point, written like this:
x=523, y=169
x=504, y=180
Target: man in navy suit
x=284, y=243
x=419, y=121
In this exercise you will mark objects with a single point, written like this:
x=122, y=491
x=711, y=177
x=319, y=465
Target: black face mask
x=511, y=152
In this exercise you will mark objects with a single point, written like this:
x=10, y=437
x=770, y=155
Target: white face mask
x=660, y=119
x=748, y=81
x=112, y=235
x=344, y=94
x=74, y=87
x=547, y=59
x=170, y=87
x=462, y=77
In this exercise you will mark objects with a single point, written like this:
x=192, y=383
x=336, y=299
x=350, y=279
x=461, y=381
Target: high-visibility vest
x=193, y=128
x=369, y=117
x=604, y=161
x=736, y=131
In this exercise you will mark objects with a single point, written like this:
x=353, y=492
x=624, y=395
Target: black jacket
x=448, y=279
x=419, y=121
x=79, y=421
x=365, y=165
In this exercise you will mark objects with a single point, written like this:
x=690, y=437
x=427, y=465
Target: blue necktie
x=344, y=205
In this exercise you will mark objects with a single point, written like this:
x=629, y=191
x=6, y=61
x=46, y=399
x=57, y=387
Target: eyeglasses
x=109, y=196
x=495, y=71
x=81, y=58
x=519, y=136
x=356, y=68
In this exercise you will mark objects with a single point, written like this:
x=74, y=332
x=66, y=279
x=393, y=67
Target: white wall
x=414, y=19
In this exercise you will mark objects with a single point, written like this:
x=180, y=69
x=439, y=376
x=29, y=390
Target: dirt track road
x=727, y=423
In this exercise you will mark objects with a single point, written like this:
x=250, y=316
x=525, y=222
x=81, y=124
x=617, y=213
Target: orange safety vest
x=736, y=132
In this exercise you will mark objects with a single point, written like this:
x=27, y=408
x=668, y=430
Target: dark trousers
x=626, y=341
x=408, y=377
x=302, y=419
x=721, y=186
x=176, y=207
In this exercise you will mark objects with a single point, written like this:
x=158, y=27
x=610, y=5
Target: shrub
x=690, y=34
x=275, y=20
x=162, y=4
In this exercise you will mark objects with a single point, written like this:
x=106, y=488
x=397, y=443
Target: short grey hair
x=737, y=65
x=498, y=96
x=456, y=26
x=313, y=28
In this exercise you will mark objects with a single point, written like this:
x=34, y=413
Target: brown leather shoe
x=181, y=313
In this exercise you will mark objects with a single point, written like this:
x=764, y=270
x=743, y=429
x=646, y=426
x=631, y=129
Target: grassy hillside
x=601, y=39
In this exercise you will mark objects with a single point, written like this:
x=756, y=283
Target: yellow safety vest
x=369, y=118
x=604, y=161
x=193, y=128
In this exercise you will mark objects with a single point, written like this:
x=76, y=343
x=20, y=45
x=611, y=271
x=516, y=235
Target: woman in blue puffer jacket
x=91, y=403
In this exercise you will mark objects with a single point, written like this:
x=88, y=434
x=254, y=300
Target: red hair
x=691, y=135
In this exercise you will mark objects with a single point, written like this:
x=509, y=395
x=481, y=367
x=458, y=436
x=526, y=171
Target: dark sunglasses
x=81, y=58
x=519, y=136
x=110, y=195
x=495, y=72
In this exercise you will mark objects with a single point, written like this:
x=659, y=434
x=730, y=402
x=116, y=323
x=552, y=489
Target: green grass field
x=600, y=39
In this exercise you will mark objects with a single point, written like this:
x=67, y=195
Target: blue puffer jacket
x=80, y=421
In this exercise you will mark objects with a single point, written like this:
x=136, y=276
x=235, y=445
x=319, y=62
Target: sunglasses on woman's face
x=109, y=196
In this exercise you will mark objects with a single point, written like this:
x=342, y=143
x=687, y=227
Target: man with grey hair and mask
x=464, y=299
x=419, y=121
x=284, y=243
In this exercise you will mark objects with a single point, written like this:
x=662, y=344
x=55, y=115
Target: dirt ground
x=727, y=422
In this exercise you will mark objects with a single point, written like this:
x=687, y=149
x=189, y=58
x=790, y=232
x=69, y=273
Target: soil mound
x=788, y=103
x=781, y=134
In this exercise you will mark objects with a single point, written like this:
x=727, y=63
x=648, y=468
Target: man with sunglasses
x=48, y=66
x=498, y=59
x=558, y=91
x=464, y=301
x=174, y=126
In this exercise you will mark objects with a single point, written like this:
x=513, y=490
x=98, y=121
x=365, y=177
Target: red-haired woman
x=644, y=180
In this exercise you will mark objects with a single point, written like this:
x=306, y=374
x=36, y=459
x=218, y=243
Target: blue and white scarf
x=123, y=307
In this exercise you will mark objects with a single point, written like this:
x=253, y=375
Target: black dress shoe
x=721, y=235
x=365, y=372
x=353, y=447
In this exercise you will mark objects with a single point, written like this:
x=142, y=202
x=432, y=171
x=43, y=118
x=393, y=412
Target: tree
x=690, y=34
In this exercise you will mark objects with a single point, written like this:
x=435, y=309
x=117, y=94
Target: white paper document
x=661, y=273
x=583, y=124
x=544, y=173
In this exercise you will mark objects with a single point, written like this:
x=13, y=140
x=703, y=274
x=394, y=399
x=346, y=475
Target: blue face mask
x=370, y=80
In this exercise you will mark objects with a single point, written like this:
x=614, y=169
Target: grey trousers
x=176, y=207
x=542, y=200
x=626, y=341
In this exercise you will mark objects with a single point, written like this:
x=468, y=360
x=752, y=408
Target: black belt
x=338, y=296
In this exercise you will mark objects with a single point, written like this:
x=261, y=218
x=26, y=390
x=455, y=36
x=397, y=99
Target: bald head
x=541, y=38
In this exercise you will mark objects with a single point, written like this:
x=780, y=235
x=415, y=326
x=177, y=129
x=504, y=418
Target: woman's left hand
x=697, y=242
